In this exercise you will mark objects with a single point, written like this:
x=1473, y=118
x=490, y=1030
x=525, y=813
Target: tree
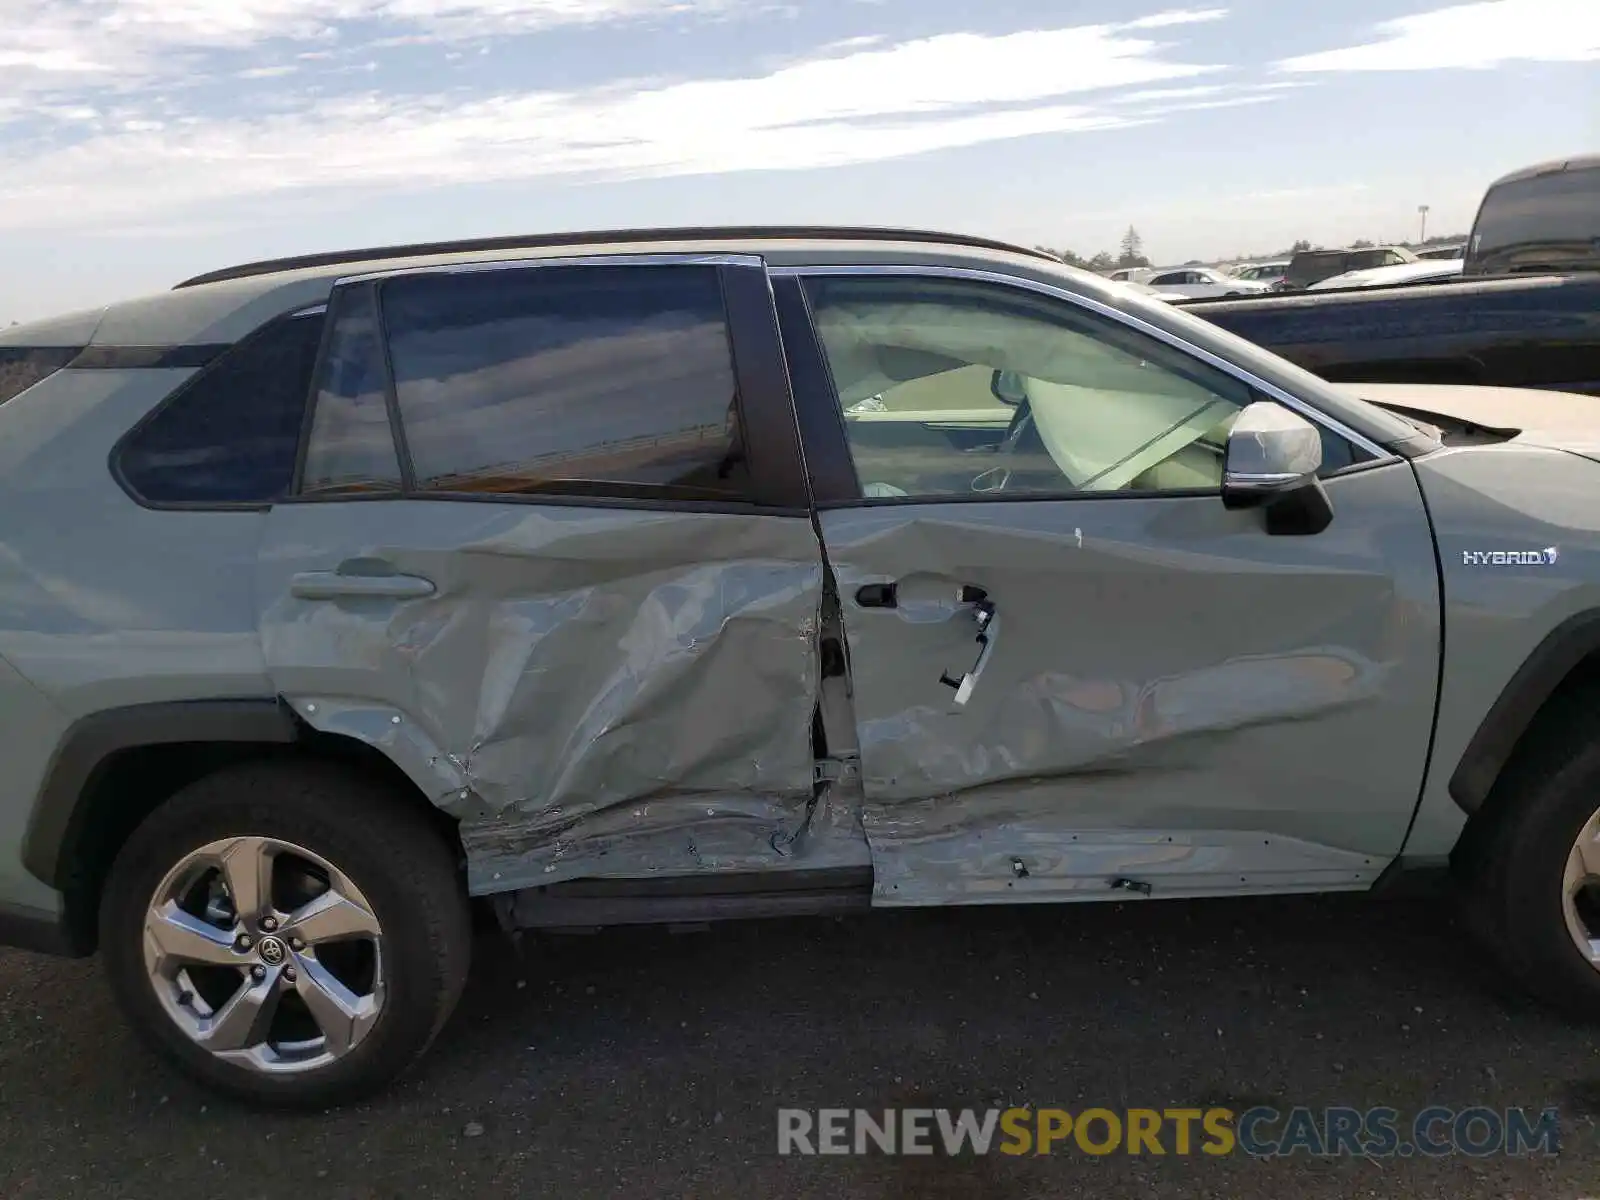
x=1302, y=244
x=1066, y=256
x=1361, y=244
x=1132, y=250
x=1102, y=262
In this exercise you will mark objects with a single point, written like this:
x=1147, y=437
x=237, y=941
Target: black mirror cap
x=1299, y=512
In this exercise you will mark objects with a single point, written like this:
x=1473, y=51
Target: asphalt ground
x=646, y=1063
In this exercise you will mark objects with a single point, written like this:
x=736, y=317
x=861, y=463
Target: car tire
x=1545, y=798
x=398, y=905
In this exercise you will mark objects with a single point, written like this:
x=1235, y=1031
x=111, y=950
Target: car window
x=351, y=446
x=1093, y=405
x=1309, y=267
x=611, y=381
x=231, y=434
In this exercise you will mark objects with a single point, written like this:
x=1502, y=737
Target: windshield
x=1541, y=223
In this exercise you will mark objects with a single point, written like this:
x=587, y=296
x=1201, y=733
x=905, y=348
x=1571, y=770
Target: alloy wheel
x=265, y=954
x=1580, y=891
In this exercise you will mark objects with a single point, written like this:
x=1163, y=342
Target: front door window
x=952, y=388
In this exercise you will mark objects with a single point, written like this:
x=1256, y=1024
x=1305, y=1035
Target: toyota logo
x=272, y=951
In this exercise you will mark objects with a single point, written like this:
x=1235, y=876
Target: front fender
x=1512, y=629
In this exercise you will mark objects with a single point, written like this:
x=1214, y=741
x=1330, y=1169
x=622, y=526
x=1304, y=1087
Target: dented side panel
x=1158, y=666
x=592, y=691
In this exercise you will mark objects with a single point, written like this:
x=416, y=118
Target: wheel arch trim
x=60, y=810
x=1542, y=673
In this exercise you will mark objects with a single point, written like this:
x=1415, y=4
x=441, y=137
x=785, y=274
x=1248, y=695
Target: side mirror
x=1271, y=462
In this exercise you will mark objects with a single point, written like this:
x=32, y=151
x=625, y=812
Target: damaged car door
x=1077, y=672
x=550, y=551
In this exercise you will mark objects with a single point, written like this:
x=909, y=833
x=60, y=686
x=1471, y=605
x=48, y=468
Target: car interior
x=938, y=402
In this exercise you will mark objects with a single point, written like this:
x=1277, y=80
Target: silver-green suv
x=689, y=574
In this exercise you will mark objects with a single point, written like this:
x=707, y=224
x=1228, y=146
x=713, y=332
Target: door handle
x=988, y=623
x=887, y=595
x=337, y=585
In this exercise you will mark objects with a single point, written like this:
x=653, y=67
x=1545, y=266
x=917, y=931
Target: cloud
x=1182, y=16
x=1471, y=36
x=860, y=103
x=122, y=43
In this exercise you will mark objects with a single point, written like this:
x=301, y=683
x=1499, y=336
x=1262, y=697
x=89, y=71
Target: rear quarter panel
x=30, y=728
x=104, y=603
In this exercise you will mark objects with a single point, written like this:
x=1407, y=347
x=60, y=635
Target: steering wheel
x=1020, y=426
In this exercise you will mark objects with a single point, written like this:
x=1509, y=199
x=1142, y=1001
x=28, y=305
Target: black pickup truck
x=1525, y=313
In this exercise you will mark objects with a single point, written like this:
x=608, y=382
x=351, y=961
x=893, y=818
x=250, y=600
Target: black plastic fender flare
x=59, y=812
x=1544, y=670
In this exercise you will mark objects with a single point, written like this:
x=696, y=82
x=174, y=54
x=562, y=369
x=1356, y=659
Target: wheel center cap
x=272, y=951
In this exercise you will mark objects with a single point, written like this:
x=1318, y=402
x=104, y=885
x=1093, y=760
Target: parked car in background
x=1543, y=218
x=572, y=575
x=1427, y=271
x=1155, y=294
x=1524, y=312
x=1265, y=272
x=1313, y=266
x=1131, y=274
x=1197, y=282
x=1453, y=250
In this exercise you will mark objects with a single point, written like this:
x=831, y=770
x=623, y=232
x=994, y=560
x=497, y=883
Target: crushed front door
x=1074, y=671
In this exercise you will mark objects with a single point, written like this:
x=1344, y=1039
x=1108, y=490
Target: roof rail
x=588, y=238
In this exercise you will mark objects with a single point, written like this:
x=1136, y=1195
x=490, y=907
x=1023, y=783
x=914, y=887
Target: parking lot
x=642, y=1063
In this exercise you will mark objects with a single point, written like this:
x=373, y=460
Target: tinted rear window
x=610, y=381
x=22, y=367
x=1543, y=223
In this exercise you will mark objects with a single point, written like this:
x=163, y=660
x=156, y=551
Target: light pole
x=1422, y=211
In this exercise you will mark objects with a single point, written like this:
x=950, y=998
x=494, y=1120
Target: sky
x=142, y=141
